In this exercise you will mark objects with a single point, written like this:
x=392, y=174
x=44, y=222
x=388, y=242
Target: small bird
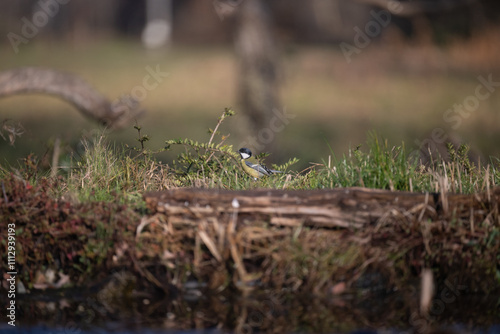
x=252, y=167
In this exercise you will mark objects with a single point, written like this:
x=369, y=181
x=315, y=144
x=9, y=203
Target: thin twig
x=221, y=119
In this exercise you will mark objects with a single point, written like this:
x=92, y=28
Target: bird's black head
x=245, y=153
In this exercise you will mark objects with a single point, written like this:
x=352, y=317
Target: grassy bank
x=88, y=226
x=103, y=171
x=111, y=179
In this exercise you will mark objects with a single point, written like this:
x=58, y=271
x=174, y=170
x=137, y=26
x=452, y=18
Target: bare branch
x=69, y=87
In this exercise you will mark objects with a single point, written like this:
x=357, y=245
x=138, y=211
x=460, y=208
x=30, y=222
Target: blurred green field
x=400, y=92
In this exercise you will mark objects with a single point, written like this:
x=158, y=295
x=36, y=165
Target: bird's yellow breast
x=250, y=171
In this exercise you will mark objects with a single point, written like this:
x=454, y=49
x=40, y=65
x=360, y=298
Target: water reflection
x=257, y=311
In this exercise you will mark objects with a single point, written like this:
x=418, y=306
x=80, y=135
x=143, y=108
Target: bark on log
x=72, y=89
x=335, y=208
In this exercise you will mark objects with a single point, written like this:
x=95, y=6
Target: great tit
x=252, y=167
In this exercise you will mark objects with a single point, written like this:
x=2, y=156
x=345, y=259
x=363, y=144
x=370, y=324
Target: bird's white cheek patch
x=245, y=156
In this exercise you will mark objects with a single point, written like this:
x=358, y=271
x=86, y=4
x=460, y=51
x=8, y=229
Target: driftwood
x=72, y=89
x=342, y=208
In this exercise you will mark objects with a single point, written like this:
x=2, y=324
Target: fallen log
x=341, y=208
x=71, y=88
x=327, y=236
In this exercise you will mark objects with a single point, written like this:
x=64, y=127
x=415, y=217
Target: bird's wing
x=259, y=168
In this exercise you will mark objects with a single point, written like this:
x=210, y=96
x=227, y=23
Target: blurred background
x=306, y=77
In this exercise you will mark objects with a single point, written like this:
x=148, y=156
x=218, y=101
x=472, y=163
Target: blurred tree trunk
x=257, y=52
x=158, y=29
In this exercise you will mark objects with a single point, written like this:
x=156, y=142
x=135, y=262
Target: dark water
x=81, y=312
